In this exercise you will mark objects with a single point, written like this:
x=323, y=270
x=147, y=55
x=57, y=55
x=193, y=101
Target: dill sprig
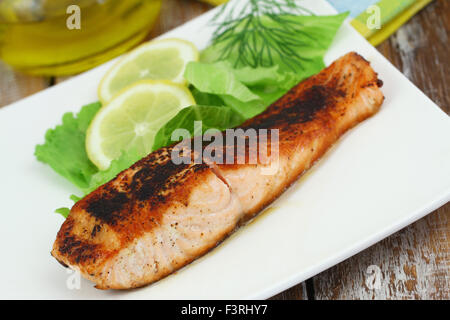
x=260, y=31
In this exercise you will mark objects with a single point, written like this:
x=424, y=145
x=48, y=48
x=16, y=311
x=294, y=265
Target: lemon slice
x=132, y=119
x=156, y=60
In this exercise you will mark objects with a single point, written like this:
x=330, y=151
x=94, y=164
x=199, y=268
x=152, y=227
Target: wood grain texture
x=15, y=86
x=411, y=264
x=415, y=262
x=298, y=292
x=176, y=12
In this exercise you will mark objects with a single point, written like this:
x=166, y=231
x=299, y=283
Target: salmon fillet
x=156, y=217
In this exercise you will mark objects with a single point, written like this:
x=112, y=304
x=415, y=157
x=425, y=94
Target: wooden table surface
x=414, y=263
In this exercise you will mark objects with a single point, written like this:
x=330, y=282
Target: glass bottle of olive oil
x=62, y=37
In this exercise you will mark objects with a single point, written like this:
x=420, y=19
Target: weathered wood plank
x=420, y=50
x=415, y=262
x=15, y=86
x=295, y=293
x=177, y=12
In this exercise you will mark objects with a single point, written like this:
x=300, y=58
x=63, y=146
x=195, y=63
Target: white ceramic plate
x=388, y=172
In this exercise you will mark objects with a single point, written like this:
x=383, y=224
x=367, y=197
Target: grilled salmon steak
x=158, y=216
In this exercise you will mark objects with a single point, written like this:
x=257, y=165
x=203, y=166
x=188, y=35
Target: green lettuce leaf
x=246, y=109
x=267, y=83
x=63, y=211
x=218, y=79
x=64, y=147
x=248, y=90
x=205, y=99
x=212, y=117
x=257, y=76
